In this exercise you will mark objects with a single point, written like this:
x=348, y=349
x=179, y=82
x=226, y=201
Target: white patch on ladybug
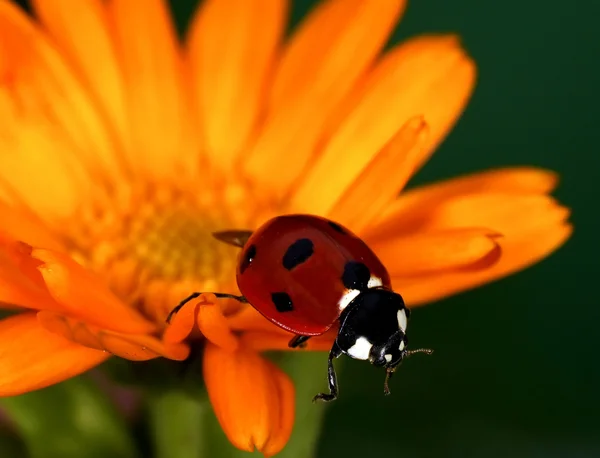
x=350, y=294
x=374, y=282
x=402, y=322
x=401, y=347
x=388, y=358
x=360, y=349
x=348, y=297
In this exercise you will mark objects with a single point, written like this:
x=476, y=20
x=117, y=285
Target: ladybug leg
x=335, y=352
x=192, y=296
x=298, y=341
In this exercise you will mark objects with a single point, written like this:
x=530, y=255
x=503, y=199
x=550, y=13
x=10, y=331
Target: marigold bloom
x=122, y=151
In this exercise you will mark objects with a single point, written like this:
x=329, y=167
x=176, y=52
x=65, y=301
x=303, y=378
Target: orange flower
x=122, y=152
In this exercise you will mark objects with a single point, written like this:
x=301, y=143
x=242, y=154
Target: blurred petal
x=44, y=126
x=82, y=31
x=33, y=358
x=18, y=224
x=427, y=252
x=428, y=76
x=156, y=97
x=324, y=60
x=84, y=295
x=252, y=399
x=518, y=252
x=232, y=47
x=134, y=347
x=380, y=182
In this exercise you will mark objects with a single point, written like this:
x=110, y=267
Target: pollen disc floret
x=154, y=244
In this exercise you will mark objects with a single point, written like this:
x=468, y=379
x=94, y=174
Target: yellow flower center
x=153, y=243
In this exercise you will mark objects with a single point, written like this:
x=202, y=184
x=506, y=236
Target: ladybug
x=306, y=274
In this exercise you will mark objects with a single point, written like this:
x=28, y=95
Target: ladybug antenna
x=427, y=351
x=235, y=238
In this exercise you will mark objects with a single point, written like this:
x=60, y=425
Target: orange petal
x=85, y=296
x=429, y=76
x=252, y=399
x=232, y=47
x=506, y=213
x=156, y=97
x=142, y=347
x=46, y=127
x=428, y=252
x=182, y=323
x=32, y=358
x=134, y=347
x=514, y=180
x=518, y=252
x=19, y=224
x=281, y=429
x=20, y=282
x=215, y=328
x=248, y=318
x=381, y=181
x=82, y=31
x=274, y=340
x=327, y=55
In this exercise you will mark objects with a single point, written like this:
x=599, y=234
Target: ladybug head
x=373, y=328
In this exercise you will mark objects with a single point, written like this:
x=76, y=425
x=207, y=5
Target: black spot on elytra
x=283, y=302
x=356, y=275
x=247, y=258
x=297, y=253
x=336, y=227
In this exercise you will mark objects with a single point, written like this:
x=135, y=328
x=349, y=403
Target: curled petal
x=508, y=214
x=215, y=328
x=32, y=358
x=414, y=205
x=20, y=282
x=252, y=399
x=428, y=76
x=135, y=347
x=518, y=252
x=437, y=250
x=84, y=295
x=383, y=178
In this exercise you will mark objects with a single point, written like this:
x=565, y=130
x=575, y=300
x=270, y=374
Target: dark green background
x=516, y=369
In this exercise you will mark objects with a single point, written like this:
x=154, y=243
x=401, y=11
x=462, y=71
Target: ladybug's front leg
x=335, y=352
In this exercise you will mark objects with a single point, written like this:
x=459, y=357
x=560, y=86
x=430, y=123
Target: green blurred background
x=516, y=372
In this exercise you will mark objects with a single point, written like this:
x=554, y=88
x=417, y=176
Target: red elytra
x=303, y=257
